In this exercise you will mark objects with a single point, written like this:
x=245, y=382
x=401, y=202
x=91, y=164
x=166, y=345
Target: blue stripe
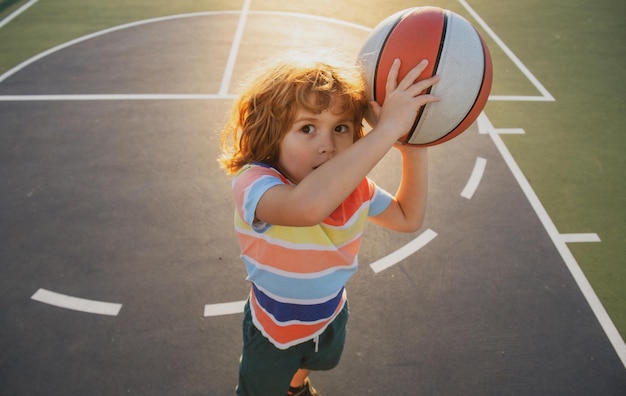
x=284, y=312
x=315, y=288
x=254, y=193
x=380, y=202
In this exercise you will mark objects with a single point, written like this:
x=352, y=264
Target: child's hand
x=403, y=99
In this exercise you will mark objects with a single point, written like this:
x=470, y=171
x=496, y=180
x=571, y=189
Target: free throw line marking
x=405, y=251
x=475, y=178
x=76, y=303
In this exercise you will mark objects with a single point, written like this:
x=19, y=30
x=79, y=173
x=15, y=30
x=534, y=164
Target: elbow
x=413, y=225
x=412, y=228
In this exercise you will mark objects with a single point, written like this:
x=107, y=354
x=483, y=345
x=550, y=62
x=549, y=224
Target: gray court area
x=122, y=201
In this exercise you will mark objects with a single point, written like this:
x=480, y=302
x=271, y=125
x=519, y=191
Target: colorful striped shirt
x=298, y=274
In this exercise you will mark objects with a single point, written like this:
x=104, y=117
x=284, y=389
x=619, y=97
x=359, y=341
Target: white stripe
x=508, y=52
x=17, y=13
x=234, y=49
x=86, y=97
x=405, y=251
x=298, y=275
x=571, y=263
x=76, y=304
x=230, y=308
x=475, y=178
x=298, y=301
x=575, y=238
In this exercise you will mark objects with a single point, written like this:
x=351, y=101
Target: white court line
x=578, y=238
x=475, y=178
x=234, y=49
x=592, y=299
x=76, y=304
x=517, y=98
x=52, y=50
x=16, y=13
x=230, y=308
x=88, y=97
x=544, y=92
x=583, y=284
x=510, y=131
x=405, y=251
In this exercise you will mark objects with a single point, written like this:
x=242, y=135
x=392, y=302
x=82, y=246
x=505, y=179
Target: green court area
x=572, y=151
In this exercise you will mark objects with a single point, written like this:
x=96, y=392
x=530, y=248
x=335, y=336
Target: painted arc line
x=577, y=238
x=76, y=304
x=391, y=259
x=17, y=12
x=475, y=178
x=230, y=308
x=405, y=251
x=59, y=47
x=70, y=97
x=546, y=95
x=85, y=97
x=568, y=258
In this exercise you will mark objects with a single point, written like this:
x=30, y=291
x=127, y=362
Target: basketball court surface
x=121, y=272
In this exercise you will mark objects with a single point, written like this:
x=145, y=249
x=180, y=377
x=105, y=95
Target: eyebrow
x=305, y=118
x=312, y=119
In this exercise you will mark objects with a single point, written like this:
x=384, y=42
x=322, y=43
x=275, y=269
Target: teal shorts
x=266, y=370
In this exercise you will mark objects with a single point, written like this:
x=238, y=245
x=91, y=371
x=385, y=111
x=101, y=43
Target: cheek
x=290, y=153
x=344, y=142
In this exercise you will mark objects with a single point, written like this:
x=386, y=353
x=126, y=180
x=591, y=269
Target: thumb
x=375, y=109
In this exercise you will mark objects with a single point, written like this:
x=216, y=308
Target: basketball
x=455, y=51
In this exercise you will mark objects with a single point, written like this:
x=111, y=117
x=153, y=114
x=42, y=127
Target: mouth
x=318, y=165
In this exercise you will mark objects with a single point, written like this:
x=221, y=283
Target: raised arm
x=407, y=211
x=324, y=188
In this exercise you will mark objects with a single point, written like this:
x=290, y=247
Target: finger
x=392, y=77
x=422, y=85
x=375, y=109
x=413, y=75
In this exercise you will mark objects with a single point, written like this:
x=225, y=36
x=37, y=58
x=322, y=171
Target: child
x=296, y=145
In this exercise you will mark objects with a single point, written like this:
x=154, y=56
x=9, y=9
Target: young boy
x=296, y=145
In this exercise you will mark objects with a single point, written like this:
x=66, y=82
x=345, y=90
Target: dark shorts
x=266, y=370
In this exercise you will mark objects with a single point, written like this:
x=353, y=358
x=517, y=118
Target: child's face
x=313, y=139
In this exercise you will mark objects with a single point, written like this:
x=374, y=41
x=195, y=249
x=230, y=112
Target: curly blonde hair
x=265, y=111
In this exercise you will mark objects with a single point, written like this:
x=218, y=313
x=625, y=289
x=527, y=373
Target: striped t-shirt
x=298, y=274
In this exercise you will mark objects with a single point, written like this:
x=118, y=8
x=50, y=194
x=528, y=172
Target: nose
x=327, y=143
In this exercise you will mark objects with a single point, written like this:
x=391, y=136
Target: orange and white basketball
x=455, y=51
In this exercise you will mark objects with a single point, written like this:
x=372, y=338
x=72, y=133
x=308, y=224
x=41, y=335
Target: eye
x=308, y=129
x=342, y=128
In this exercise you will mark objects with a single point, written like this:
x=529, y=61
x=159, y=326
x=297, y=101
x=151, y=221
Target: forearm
x=413, y=190
x=407, y=210
x=325, y=188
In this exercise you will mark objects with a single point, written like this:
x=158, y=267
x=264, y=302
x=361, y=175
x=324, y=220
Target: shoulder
x=253, y=173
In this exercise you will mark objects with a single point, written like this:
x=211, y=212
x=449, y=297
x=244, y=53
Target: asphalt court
x=122, y=201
